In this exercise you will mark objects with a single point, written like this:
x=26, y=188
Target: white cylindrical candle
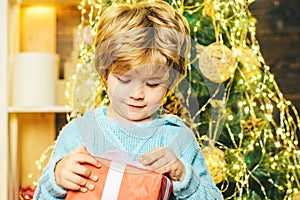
x=34, y=79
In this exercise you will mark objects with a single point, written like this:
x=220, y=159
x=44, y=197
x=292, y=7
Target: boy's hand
x=71, y=175
x=164, y=161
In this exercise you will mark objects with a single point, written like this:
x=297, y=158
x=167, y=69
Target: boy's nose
x=138, y=93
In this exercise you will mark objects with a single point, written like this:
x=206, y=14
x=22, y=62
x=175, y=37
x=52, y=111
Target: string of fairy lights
x=233, y=25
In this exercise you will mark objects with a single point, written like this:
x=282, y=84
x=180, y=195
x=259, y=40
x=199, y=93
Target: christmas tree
x=246, y=128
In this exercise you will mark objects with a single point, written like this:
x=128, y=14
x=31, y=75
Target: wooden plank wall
x=278, y=33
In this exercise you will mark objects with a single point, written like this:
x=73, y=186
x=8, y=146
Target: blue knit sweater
x=101, y=134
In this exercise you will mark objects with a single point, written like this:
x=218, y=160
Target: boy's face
x=135, y=96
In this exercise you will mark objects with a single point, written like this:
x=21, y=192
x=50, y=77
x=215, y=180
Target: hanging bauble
x=296, y=196
x=249, y=60
x=216, y=164
x=216, y=62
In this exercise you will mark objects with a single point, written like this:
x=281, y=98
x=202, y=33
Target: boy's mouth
x=136, y=106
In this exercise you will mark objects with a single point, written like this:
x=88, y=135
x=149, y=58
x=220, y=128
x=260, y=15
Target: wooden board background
x=278, y=33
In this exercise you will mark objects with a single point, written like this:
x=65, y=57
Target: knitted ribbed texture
x=101, y=134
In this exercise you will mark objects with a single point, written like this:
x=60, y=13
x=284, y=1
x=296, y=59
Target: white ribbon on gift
x=113, y=181
x=119, y=160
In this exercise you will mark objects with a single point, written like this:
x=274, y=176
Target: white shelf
x=39, y=109
x=25, y=131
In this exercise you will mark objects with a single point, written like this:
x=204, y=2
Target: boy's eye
x=124, y=81
x=152, y=84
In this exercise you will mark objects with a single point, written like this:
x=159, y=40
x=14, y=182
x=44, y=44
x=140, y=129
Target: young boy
x=140, y=55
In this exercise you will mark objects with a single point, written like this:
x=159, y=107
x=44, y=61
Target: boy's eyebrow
x=125, y=75
x=155, y=77
x=122, y=75
x=158, y=78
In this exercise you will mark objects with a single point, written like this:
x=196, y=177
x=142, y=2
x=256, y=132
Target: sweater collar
x=140, y=130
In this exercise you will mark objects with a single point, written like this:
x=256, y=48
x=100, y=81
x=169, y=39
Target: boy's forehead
x=149, y=70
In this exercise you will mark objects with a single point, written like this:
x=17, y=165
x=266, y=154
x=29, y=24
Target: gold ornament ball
x=249, y=60
x=296, y=196
x=216, y=62
x=216, y=164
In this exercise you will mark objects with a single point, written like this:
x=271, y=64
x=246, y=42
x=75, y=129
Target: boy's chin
x=136, y=119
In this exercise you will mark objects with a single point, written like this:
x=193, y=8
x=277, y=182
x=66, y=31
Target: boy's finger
x=85, y=172
x=74, y=182
x=160, y=166
x=77, y=182
x=151, y=156
x=79, y=149
x=83, y=189
x=82, y=158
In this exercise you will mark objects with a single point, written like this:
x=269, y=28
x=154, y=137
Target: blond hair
x=129, y=36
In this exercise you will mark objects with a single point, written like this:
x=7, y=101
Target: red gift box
x=118, y=181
